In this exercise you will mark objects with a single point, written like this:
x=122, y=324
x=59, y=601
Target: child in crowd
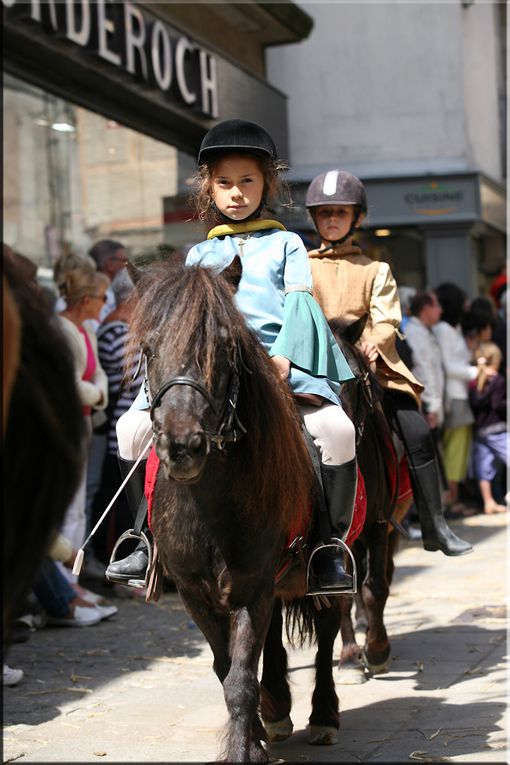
x=238, y=177
x=347, y=284
x=487, y=396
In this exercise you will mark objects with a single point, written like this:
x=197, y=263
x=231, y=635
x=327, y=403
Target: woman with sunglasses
x=85, y=294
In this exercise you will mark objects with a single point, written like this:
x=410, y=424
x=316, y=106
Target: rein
x=229, y=429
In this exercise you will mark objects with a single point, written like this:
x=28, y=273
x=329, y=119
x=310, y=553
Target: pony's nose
x=187, y=447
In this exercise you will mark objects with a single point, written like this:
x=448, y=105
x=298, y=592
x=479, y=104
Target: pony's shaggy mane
x=184, y=313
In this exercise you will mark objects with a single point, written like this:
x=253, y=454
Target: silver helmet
x=336, y=187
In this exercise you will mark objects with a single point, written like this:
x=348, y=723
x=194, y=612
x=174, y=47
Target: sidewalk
x=141, y=687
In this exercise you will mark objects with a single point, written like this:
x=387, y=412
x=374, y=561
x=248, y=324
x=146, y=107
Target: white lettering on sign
x=135, y=39
x=127, y=39
x=209, y=84
x=161, y=55
x=106, y=27
x=183, y=46
x=79, y=36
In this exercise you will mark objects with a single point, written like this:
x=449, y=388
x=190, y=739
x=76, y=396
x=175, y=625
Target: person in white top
x=459, y=371
x=427, y=363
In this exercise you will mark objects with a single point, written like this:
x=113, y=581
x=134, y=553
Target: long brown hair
x=182, y=313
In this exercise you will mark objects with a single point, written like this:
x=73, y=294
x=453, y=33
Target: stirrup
x=131, y=534
x=336, y=544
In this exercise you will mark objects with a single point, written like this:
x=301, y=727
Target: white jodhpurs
x=134, y=431
x=332, y=431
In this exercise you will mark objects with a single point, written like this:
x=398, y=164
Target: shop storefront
x=105, y=105
x=430, y=229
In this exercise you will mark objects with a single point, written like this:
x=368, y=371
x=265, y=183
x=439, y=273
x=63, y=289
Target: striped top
x=122, y=389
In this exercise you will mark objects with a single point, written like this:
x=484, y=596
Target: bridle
x=229, y=428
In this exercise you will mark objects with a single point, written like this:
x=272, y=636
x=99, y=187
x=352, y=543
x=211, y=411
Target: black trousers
x=410, y=425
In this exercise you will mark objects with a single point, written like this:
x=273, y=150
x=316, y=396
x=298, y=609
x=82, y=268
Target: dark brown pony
x=374, y=549
x=43, y=447
x=225, y=500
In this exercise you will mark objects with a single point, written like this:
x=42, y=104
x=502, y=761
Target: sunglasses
x=99, y=297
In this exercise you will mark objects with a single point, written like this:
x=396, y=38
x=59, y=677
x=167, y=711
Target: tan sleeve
x=385, y=311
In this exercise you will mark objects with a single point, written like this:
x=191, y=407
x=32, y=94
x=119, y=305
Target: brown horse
x=374, y=549
x=234, y=478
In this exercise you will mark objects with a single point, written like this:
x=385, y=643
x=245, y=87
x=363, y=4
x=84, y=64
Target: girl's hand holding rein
x=282, y=365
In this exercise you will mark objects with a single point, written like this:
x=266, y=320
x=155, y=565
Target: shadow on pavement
x=433, y=730
x=62, y=664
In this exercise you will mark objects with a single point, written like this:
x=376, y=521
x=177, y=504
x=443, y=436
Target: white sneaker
x=82, y=617
x=12, y=676
x=106, y=611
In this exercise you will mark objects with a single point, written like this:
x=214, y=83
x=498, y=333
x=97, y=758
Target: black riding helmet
x=337, y=187
x=237, y=135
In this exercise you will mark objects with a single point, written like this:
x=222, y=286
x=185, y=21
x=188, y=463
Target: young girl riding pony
x=238, y=176
x=347, y=284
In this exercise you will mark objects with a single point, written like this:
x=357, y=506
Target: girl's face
x=334, y=221
x=237, y=186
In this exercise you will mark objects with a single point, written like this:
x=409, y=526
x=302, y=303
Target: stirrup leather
x=131, y=534
x=337, y=544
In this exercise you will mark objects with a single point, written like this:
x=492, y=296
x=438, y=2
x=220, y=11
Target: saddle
x=294, y=551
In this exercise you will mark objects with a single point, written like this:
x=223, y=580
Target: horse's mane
x=186, y=310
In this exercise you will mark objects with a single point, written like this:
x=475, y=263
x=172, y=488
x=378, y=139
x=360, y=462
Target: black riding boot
x=436, y=534
x=339, y=484
x=135, y=565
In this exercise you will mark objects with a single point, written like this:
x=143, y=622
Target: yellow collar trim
x=231, y=229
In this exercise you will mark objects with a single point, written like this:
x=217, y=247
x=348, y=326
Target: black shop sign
x=124, y=36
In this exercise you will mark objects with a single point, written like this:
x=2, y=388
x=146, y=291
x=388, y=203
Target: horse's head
x=185, y=322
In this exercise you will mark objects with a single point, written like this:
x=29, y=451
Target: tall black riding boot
x=436, y=534
x=134, y=566
x=339, y=483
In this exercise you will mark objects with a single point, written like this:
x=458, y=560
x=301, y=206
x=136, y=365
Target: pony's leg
x=325, y=718
x=275, y=699
x=375, y=594
x=350, y=667
x=248, y=627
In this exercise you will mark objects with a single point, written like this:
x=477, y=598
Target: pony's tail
x=299, y=622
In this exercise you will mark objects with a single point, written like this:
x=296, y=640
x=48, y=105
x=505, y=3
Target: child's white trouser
x=331, y=429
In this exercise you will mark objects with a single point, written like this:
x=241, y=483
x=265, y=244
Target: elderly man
x=110, y=257
x=427, y=365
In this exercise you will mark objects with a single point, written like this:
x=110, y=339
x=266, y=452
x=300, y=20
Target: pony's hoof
x=375, y=669
x=322, y=735
x=279, y=730
x=352, y=675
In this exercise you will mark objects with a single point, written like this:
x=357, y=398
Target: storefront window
x=72, y=177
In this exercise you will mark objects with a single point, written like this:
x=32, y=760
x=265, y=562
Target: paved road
x=141, y=688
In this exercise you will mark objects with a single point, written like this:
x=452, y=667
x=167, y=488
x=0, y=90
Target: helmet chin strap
x=226, y=219
x=333, y=243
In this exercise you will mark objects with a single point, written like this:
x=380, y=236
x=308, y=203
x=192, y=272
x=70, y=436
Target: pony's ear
x=233, y=273
x=134, y=272
x=354, y=330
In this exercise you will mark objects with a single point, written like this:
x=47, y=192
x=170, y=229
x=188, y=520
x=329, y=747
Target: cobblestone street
x=141, y=688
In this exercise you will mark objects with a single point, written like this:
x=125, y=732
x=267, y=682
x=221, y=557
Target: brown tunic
x=347, y=284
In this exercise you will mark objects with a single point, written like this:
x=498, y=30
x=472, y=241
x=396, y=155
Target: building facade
x=105, y=106
x=411, y=97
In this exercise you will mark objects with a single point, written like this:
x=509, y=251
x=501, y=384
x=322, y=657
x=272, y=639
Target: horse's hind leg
x=275, y=699
x=376, y=589
x=325, y=718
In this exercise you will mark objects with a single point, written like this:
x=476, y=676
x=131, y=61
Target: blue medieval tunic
x=275, y=297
